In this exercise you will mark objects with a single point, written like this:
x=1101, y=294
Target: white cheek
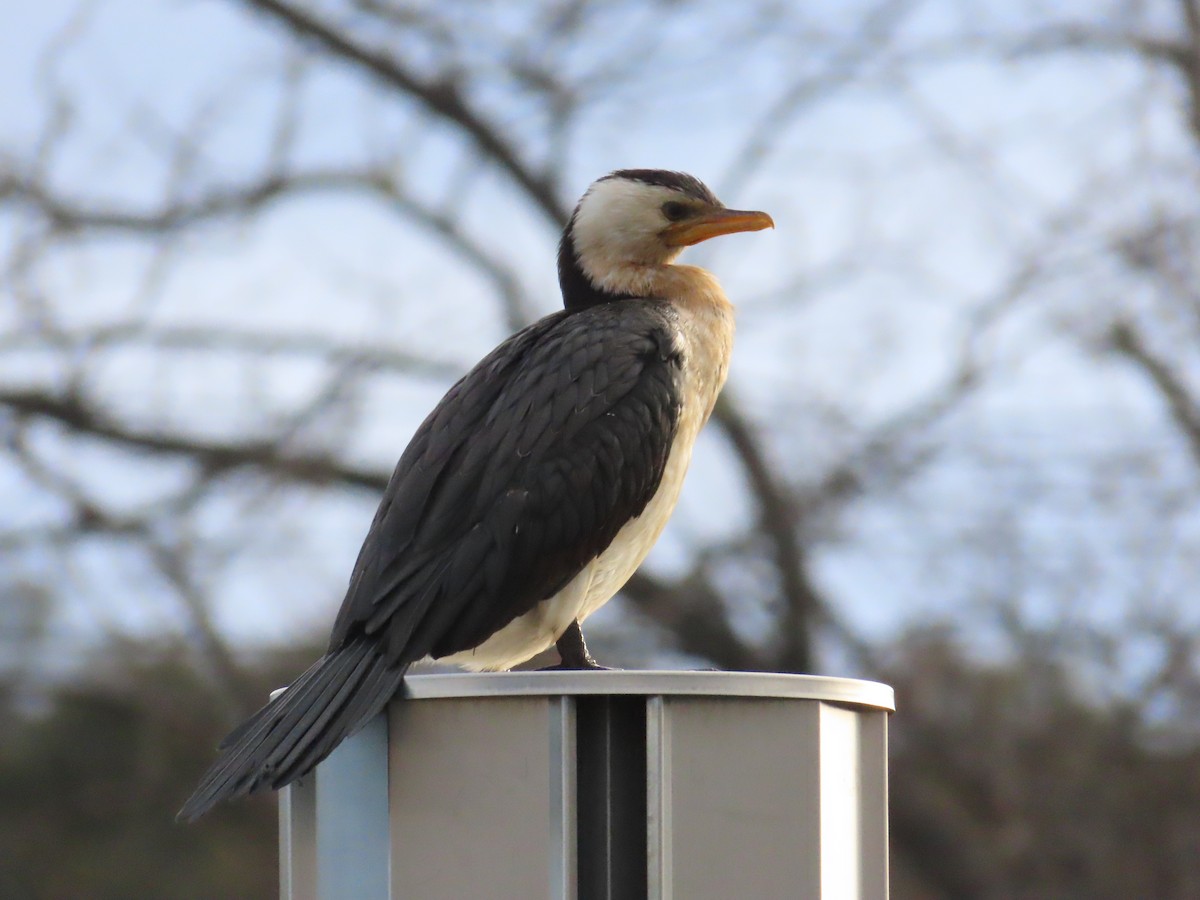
x=618, y=225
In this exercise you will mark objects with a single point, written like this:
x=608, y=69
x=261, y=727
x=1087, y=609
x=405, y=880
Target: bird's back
x=522, y=476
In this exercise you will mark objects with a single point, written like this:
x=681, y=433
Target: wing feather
x=523, y=474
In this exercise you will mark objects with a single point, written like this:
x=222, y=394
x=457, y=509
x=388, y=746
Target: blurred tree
x=246, y=253
x=1008, y=781
x=444, y=149
x=87, y=787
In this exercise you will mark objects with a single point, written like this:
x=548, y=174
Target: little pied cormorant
x=534, y=489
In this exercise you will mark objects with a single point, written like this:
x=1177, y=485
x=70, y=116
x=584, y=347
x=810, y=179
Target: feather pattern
x=523, y=474
x=300, y=727
x=529, y=495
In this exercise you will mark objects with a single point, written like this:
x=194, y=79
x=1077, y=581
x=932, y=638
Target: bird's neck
x=583, y=287
x=706, y=325
x=579, y=289
x=688, y=287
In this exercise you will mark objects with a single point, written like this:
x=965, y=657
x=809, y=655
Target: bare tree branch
x=68, y=217
x=212, y=456
x=693, y=615
x=773, y=124
x=1182, y=52
x=801, y=603
x=1182, y=406
x=444, y=98
x=204, y=634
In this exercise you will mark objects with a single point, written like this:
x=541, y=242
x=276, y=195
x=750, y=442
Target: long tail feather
x=290, y=735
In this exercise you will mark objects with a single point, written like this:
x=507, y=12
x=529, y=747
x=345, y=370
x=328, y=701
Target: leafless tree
x=431, y=82
x=967, y=377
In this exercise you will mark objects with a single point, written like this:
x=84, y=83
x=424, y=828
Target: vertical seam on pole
x=563, y=798
x=286, y=850
x=609, y=862
x=658, y=800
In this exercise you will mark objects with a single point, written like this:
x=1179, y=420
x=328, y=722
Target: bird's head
x=634, y=221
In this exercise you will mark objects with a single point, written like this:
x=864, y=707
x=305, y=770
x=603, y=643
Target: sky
x=900, y=210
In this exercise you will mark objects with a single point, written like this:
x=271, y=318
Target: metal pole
x=601, y=786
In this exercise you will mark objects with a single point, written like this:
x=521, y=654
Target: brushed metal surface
x=751, y=785
x=651, y=683
x=352, y=817
x=745, y=792
x=472, y=793
x=298, y=840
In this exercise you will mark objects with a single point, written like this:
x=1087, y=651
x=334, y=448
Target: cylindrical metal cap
x=651, y=683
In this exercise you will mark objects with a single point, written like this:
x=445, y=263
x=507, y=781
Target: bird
x=534, y=489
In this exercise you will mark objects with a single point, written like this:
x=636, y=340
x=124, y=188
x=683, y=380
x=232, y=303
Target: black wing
x=523, y=474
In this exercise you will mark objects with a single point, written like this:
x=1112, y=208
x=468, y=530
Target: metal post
x=601, y=786
x=611, y=799
x=334, y=824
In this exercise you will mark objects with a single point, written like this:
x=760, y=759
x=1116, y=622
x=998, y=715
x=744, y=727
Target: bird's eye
x=675, y=211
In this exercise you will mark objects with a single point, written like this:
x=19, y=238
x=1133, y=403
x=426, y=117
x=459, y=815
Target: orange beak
x=714, y=224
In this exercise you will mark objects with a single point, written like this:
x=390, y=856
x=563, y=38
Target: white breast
x=706, y=337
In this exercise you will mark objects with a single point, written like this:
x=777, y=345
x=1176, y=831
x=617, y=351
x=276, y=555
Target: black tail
x=285, y=739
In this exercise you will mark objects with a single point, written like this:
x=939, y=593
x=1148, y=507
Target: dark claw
x=590, y=665
x=574, y=653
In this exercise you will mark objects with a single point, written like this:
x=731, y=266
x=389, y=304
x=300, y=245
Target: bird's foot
x=588, y=664
x=573, y=652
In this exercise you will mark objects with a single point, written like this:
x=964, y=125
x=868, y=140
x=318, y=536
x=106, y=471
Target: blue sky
x=904, y=201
